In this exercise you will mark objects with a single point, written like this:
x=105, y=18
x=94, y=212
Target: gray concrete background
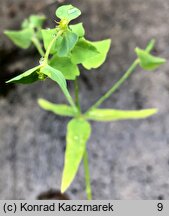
x=129, y=159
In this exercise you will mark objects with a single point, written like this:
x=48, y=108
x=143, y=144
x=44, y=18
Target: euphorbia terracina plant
x=64, y=48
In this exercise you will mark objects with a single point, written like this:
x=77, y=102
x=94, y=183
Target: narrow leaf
x=78, y=133
x=21, y=38
x=78, y=29
x=64, y=64
x=148, y=61
x=97, y=60
x=114, y=115
x=58, y=109
x=55, y=75
x=27, y=77
x=58, y=77
x=83, y=51
x=68, y=12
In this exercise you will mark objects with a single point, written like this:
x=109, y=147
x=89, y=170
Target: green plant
x=65, y=47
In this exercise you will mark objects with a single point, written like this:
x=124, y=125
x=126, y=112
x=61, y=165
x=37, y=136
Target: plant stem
x=70, y=100
x=87, y=176
x=50, y=46
x=149, y=48
x=116, y=85
x=46, y=58
x=76, y=88
x=85, y=156
x=38, y=46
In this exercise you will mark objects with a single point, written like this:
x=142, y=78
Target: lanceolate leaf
x=27, y=77
x=114, y=115
x=58, y=109
x=21, y=38
x=55, y=75
x=58, y=77
x=64, y=64
x=83, y=51
x=67, y=44
x=148, y=61
x=97, y=60
x=78, y=133
x=68, y=12
x=78, y=29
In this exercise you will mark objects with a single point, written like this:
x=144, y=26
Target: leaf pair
x=78, y=132
x=63, y=45
x=148, y=61
x=97, y=114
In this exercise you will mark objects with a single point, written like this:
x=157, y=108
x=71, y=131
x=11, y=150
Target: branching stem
x=116, y=86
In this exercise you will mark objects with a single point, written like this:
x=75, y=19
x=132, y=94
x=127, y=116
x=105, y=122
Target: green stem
x=71, y=102
x=116, y=85
x=46, y=57
x=85, y=156
x=87, y=176
x=38, y=46
x=76, y=87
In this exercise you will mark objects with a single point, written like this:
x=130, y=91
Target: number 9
x=160, y=206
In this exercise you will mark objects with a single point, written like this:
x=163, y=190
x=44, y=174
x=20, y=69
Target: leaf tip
x=5, y=32
x=41, y=102
x=64, y=186
x=8, y=81
x=152, y=111
x=62, y=189
x=136, y=49
x=153, y=41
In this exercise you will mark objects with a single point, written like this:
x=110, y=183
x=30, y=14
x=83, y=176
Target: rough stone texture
x=129, y=159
